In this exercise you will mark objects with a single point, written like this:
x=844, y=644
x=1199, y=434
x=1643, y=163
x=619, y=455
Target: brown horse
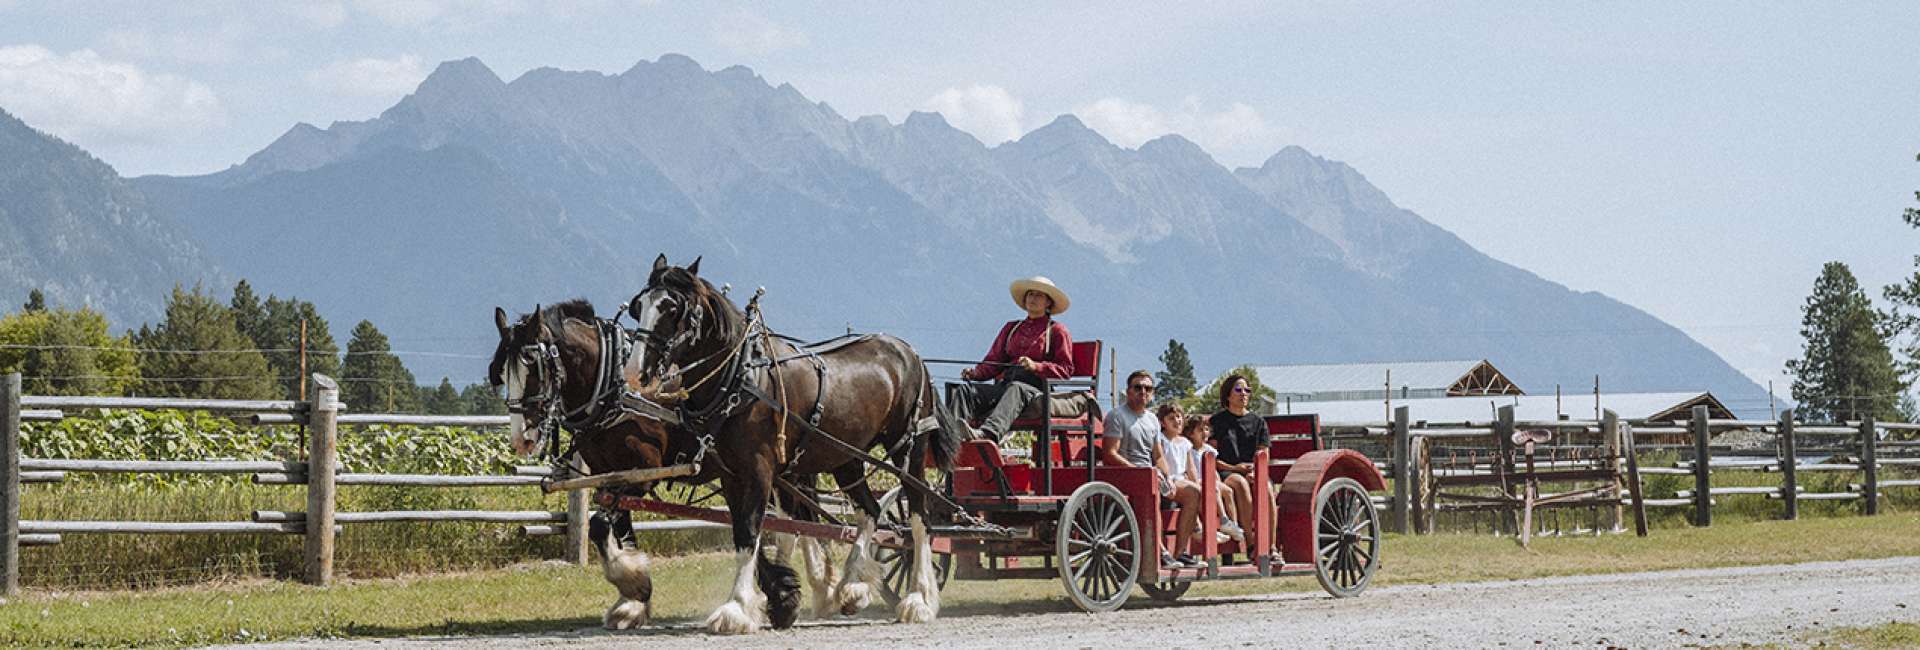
x=757, y=401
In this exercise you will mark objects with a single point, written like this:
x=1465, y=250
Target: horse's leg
x=856, y=581
x=743, y=611
x=921, y=603
x=625, y=568
x=812, y=551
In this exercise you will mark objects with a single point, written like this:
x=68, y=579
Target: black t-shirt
x=1237, y=437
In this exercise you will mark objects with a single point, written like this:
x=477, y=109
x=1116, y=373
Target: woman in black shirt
x=1237, y=434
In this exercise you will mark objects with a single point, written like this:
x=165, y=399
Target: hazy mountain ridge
x=73, y=228
x=473, y=192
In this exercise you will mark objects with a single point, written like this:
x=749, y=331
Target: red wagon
x=1099, y=529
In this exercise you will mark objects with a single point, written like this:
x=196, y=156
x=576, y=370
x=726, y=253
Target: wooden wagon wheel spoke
x=1347, y=537
x=1097, y=547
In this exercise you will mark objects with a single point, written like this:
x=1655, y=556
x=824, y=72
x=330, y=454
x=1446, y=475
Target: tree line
x=246, y=348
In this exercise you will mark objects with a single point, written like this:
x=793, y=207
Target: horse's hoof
x=625, y=614
x=855, y=596
x=732, y=618
x=915, y=609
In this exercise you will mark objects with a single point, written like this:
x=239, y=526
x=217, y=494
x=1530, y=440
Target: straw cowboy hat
x=1041, y=284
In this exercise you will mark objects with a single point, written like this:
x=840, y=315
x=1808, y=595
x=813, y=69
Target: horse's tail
x=947, y=435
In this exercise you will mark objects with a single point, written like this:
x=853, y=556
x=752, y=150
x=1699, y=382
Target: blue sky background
x=1700, y=162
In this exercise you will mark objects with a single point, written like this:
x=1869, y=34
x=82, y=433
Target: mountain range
x=474, y=192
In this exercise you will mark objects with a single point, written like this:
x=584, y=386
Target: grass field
x=548, y=596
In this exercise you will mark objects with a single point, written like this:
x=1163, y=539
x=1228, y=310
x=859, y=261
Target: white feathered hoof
x=625, y=614
x=823, y=605
x=915, y=609
x=853, y=597
x=731, y=618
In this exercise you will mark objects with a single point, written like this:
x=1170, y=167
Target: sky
x=1700, y=162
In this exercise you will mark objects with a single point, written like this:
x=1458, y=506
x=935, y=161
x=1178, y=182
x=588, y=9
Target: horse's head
x=544, y=359
x=682, y=322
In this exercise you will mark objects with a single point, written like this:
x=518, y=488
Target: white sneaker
x=1233, y=530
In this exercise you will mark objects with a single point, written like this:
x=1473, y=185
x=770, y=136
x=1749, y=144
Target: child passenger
x=1182, y=477
x=1197, y=429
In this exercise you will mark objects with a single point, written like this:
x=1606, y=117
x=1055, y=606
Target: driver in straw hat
x=1027, y=351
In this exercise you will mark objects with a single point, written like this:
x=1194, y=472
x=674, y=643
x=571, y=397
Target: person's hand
x=966, y=374
x=1029, y=364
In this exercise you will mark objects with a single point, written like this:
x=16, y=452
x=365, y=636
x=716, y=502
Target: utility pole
x=1389, y=394
x=303, y=359
x=1772, y=412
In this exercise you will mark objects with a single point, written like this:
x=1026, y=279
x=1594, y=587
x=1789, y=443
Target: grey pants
x=1002, y=401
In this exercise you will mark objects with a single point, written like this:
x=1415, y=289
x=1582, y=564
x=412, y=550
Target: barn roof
x=1353, y=380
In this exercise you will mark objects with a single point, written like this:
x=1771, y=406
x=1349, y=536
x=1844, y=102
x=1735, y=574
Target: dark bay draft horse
x=757, y=401
x=561, y=366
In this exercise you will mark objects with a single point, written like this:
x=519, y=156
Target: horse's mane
x=575, y=308
x=674, y=277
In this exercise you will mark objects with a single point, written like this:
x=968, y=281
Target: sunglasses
x=1243, y=391
x=1141, y=387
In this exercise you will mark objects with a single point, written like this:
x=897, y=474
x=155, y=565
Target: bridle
x=541, y=359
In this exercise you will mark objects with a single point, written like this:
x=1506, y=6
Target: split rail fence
x=1480, y=467
x=319, y=472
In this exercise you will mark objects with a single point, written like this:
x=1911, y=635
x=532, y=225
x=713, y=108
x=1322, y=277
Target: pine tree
x=1176, y=382
x=442, y=399
x=249, y=317
x=482, y=399
x=280, y=342
x=372, y=379
x=1845, y=371
x=36, y=301
x=1904, y=320
x=197, y=351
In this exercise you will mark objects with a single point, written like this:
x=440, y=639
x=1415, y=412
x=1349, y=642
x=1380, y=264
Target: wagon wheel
x=1098, y=548
x=1347, y=537
x=1166, y=592
x=897, y=563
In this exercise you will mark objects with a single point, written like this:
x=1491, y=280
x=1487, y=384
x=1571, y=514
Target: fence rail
x=320, y=474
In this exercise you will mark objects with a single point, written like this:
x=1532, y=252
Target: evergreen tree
x=372, y=379
x=1176, y=382
x=482, y=399
x=67, y=352
x=36, y=301
x=280, y=342
x=197, y=351
x=249, y=317
x=1845, y=371
x=442, y=399
x=1904, y=318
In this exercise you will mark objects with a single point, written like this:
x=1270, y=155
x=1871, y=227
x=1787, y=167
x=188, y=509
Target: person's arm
x=1110, y=452
x=1059, y=361
x=1193, y=466
x=1160, y=459
x=988, y=368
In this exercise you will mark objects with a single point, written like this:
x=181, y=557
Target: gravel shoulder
x=1707, y=607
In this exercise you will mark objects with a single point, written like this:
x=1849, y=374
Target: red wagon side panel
x=1303, y=482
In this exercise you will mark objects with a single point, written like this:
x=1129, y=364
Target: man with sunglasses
x=1132, y=439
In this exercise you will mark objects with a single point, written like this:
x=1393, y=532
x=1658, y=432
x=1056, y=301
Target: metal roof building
x=1631, y=406
x=1368, y=381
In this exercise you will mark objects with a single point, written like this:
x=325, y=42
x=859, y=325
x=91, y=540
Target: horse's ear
x=500, y=320
x=694, y=268
x=536, y=320
x=659, y=262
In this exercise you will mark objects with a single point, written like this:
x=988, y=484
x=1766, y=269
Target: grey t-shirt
x=1138, y=434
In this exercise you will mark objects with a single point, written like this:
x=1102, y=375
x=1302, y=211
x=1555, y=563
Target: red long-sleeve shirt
x=1044, y=340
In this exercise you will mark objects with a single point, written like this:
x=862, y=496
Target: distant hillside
x=474, y=192
x=74, y=229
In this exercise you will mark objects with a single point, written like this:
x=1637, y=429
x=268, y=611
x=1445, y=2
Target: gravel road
x=1717, y=607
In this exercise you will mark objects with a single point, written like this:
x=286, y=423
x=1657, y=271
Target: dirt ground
x=1711, y=607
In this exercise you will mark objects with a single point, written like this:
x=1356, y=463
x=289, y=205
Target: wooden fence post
x=1423, y=486
x=1402, y=472
x=10, y=485
x=322, y=454
x=1869, y=468
x=577, y=510
x=1633, y=480
x=1610, y=434
x=1503, y=438
x=1702, y=468
x=1789, y=466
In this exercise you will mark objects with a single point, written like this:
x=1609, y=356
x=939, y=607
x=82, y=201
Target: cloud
x=454, y=14
x=988, y=112
x=322, y=14
x=94, y=101
x=746, y=32
x=369, y=77
x=1236, y=127
x=219, y=46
